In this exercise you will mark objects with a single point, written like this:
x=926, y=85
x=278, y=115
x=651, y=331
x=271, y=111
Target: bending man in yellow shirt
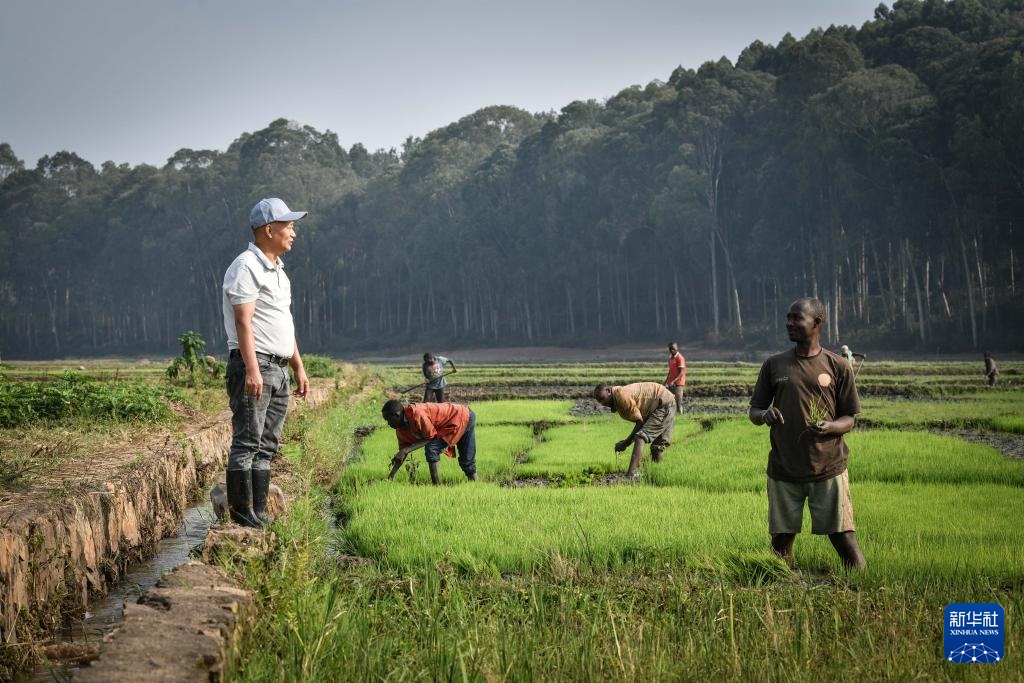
x=652, y=407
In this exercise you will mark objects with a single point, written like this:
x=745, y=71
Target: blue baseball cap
x=272, y=210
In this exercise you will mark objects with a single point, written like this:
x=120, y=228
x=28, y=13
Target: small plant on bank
x=319, y=366
x=193, y=365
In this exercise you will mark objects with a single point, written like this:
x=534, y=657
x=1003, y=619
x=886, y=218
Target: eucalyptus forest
x=879, y=168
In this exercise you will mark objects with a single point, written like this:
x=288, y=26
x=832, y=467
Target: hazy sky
x=135, y=80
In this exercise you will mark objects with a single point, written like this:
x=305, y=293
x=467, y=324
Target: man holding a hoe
x=433, y=370
x=808, y=398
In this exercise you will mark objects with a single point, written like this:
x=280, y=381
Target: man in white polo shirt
x=261, y=344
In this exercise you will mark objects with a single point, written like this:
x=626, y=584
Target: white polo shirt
x=252, y=277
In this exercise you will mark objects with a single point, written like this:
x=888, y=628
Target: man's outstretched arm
x=402, y=454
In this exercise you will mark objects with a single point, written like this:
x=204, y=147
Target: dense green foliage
x=319, y=366
x=881, y=168
x=73, y=397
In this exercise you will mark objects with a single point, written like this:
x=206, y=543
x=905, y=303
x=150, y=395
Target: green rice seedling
x=575, y=453
x=975, y=410
x=817, y=411
x=497, y=529
x=920, y=532
x=518, y=529
x=707, y=378
x=522, y=412
x=921, y=457
x=643, y=582
x=1008, y=423
x=731, y=457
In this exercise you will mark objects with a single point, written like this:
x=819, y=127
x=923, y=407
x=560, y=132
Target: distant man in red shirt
x=436, y=426
x=676, y=379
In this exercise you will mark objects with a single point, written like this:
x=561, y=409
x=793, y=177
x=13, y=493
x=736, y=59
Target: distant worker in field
x=438, y=427
x=991, y=371
x=651, y=407
x=809, y=399
x=849, y=355
x=433, y=370
x=676, y=379
x=257, y=302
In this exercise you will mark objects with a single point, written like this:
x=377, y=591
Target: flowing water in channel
x=106, y=612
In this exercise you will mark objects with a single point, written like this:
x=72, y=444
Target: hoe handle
x=423, y=384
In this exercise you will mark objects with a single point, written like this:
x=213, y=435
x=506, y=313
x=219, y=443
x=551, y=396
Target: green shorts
x=829, y=502
x=657, y=428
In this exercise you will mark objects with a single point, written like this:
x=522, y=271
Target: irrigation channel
x=103, y=615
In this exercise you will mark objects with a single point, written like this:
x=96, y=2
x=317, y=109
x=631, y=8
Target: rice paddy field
x=552, y=567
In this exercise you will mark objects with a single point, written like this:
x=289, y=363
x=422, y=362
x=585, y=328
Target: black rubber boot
x=260, y=493
x=240, y=498
x=435, y=478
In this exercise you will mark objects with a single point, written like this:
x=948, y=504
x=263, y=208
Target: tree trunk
x=887, y=314
x=569, y=307
x=968, y=280
x=917, y=293
x=981, y=285
x=714, y=284
x=679, y=312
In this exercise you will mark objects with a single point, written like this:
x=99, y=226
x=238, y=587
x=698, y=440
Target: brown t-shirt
x=636, y=402
x=793, y=384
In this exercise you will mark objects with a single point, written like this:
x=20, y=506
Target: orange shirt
x=445, y=421
x=677, y=370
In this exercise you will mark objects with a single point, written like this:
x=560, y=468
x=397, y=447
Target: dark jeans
x=256, y=424
x=433, y=395
x=466, y=447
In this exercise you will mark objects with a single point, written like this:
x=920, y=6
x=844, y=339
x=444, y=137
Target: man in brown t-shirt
x=808, y=398
x=651, y=407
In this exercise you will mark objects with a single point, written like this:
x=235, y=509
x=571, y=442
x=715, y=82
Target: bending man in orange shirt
x=436, y=426
x=651, y=407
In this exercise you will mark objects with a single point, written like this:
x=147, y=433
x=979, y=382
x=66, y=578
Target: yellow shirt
x=636, y=402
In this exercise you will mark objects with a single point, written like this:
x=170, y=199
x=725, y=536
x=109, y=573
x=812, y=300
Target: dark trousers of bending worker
x=433, y=395
x=466, y=448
